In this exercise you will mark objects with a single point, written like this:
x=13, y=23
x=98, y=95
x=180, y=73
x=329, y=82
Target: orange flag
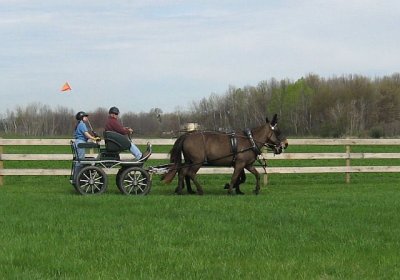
x=66, y=87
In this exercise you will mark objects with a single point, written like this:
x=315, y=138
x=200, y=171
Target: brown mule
x=239, y=150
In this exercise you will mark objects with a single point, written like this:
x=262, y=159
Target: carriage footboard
x=159, y=170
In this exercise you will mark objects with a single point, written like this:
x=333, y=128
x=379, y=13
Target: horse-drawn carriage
x=88, y=175
x=239, y=150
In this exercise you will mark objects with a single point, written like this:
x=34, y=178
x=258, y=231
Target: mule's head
x=276, y=141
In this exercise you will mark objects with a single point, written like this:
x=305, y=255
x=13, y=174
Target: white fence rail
x=346, y=156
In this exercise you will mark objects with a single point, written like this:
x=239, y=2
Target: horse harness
x=234, y=148
x=234, y=144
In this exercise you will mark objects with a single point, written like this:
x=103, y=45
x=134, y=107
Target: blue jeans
x=81, y=155
x=135, y=151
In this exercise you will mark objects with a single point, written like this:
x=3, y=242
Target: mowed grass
x=301, y=226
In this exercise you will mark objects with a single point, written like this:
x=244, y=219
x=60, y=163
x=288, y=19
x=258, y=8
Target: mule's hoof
x=200, y=193
x=239, y=192
x=256, y=192
x=226, y=186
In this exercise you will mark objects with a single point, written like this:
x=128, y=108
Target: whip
x=92, y=131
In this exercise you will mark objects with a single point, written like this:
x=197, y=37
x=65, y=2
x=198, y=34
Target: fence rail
x=346, y=156
x=143, y=141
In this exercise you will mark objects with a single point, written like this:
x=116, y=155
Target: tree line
x=349, y=105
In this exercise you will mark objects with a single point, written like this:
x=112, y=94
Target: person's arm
x=116, y=126
x=82, y=129
x=89, y=136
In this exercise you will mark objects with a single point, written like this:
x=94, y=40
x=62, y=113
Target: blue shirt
x=80, y=130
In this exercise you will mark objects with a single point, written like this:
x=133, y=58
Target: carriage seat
x=89, y=145
x=116, y=142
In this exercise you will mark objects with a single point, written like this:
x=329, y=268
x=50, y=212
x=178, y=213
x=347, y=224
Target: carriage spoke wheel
x=91, y=180
x=134, y=181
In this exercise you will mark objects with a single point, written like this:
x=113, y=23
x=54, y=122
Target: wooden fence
x=347, y=156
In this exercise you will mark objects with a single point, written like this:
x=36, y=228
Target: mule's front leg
x=236, y=186
x=254, y=171
x=234, y=179
x=241, y=180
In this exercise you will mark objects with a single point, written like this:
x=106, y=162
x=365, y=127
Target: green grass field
x=301, y=226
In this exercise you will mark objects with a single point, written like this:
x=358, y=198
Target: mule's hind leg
x=198, y=186
x=181, y=185
x=188, y=185
x=181, y=176
x=192, y=174
x=254, y=171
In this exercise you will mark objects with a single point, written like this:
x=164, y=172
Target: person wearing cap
x=113, y=124
x=82, y=135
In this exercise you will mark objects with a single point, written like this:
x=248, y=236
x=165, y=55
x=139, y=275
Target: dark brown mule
x=239, y=150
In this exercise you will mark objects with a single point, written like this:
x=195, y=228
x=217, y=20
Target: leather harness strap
x=234, y=144
x=233, y=141
x=254, y=147
x=204, y=145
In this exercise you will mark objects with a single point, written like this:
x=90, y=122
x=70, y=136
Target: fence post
x=348, y=163
x=265, y=179
x=1, y=164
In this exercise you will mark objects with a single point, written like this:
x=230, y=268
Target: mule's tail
x=175, y=159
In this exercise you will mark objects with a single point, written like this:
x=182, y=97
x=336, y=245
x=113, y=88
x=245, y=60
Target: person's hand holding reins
x=129, y=129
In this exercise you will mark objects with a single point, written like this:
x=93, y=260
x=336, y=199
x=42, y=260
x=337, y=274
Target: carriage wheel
x=134, y=181
x=91, y=180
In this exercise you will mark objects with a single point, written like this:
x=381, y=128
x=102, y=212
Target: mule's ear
x=274, y=120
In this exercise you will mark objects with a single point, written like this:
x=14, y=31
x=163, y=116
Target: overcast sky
x=139, y=55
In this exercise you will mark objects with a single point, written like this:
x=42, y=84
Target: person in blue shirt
x=81, y=135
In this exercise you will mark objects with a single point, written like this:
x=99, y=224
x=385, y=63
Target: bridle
x=275, y=147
